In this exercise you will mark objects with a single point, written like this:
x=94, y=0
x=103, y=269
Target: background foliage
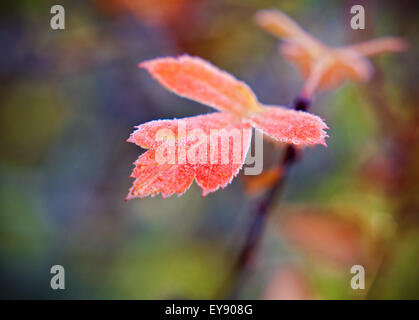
x=69, y=100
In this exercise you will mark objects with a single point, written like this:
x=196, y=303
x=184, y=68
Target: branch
x=260, y=214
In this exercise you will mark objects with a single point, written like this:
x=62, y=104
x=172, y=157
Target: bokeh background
x=69, y=99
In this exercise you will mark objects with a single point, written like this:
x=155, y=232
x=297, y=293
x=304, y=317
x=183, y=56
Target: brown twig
x=260, y=214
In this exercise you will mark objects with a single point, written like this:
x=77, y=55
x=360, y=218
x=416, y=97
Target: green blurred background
x=70, y=98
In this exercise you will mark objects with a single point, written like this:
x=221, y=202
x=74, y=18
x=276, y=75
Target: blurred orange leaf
x=155, y=13
x=322, y=66
x=288, y=283
x=256, y=184
x=323, y=234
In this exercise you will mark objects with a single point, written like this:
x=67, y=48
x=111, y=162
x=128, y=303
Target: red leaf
x=198, y=80
x=296, y=127
x=186, y=140
x=172, y=141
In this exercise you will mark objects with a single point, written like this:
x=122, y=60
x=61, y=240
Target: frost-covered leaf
x=198, y=80
x=182, y=150
x=290, y=126
x=209, y=148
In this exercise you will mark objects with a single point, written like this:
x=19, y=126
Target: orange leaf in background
x=381, y=170
x=200, y=81
x=256, y=184
x=324, y=67
x=288, y=283
x=379, y=45
x=280, y=25
x=163, y=13
x=328, y=237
